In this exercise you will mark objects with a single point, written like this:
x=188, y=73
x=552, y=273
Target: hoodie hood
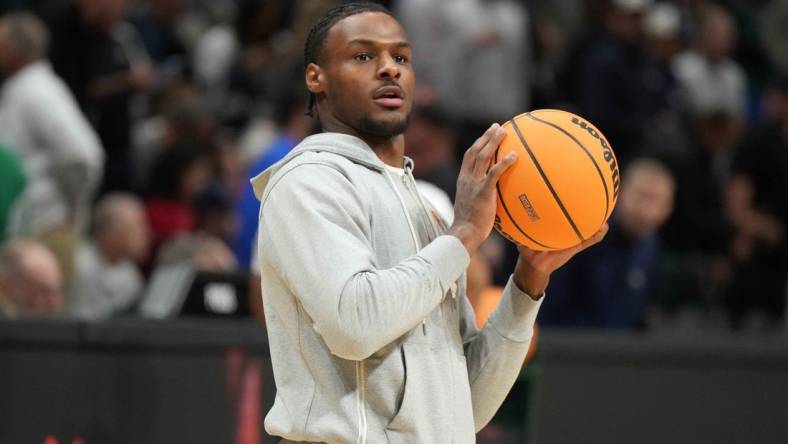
x=345, y=145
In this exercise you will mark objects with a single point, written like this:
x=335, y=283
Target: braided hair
x=317, y=35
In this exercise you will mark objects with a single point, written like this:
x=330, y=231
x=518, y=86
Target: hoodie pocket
x=426, y=413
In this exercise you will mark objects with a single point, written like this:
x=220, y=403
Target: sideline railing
x=210, y=381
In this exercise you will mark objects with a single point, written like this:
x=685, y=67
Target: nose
x=388, y=69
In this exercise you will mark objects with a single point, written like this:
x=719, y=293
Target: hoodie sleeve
x=315, y=232
x=496, y=354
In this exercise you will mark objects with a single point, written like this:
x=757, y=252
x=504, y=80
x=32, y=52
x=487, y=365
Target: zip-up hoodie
x=372, y=337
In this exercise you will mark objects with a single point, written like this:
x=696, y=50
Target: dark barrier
x=134, y=382
x=209, y=381
x=608, y=388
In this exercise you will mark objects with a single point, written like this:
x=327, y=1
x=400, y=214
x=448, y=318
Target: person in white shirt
x=474, y=61
x=711, y=81
x=108, y=281
x=41, y=121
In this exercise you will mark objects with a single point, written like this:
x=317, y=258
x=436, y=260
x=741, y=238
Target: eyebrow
x=366, y=42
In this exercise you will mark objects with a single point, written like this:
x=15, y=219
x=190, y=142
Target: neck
x=390, y=150
x=12, y=69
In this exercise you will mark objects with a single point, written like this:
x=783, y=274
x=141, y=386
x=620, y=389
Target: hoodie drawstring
x=438, y=231
x=405, y=210
x=413, y=234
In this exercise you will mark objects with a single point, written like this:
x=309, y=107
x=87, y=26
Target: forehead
x=377, y=27
x=650, y=181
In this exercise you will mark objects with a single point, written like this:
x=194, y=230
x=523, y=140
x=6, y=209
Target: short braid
x=317, y=35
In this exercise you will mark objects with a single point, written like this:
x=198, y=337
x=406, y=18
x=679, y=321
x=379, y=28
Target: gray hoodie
x=372, y=337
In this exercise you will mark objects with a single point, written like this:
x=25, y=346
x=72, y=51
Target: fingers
x=469, y=158
x=549, y=261
x=526, y=252
x=593, y=240
x=596, y=238
x=499, y=168
x=488, y=150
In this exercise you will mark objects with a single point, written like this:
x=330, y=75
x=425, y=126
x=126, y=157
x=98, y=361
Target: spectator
x=774, y=39
x=178, y=175
x=581, y=25
x=474, y=58
x=757, y=205
x=178, y=264
x=662, y=27
x=103, y=61
x=429, y=29
x=13, y=181
x=180, y=117
x=710, y=80
x=621, y=87
x=213, y=57
x=430, y=140
x=695, y=258
x=611, y=284
x=157, y=24
x=214, y=213
x=293, y=125
x=108, y=280
x=270, y=54
x=41, y=121
x=30, y=281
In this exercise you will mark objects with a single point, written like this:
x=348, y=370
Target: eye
x=401, y=59
x=363, y=57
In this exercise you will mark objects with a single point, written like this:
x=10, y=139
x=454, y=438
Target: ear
x=315, y=80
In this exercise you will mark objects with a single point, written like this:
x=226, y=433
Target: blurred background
x=130, y=306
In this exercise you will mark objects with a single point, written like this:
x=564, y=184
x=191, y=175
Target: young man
x=371, y=335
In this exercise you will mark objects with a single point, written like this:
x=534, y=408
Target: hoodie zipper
x=412, y=228
x=410, y=185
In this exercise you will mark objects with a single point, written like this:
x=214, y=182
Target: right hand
x=474, y=207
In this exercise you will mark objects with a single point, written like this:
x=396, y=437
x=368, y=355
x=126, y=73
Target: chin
x=386, y=126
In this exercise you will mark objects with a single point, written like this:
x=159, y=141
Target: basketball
x=564, y=184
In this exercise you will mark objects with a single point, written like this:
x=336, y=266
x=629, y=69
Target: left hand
x=533, y=268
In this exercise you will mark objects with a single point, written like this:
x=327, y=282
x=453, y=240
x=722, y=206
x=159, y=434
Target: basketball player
x=372, y=337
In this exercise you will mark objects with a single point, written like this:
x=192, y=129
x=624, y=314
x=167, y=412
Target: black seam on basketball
x=546, y=180
x=509, y=215
x=588, y=153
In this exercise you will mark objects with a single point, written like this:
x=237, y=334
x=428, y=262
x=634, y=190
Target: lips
x=389, y=97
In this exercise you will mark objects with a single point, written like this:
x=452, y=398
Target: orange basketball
x=564, y=184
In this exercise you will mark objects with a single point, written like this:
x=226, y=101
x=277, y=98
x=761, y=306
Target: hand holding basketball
x=474, y=207
x=533, y=268
x=556, y=200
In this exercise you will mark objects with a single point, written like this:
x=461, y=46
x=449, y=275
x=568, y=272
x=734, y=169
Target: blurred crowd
x=129, y=130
